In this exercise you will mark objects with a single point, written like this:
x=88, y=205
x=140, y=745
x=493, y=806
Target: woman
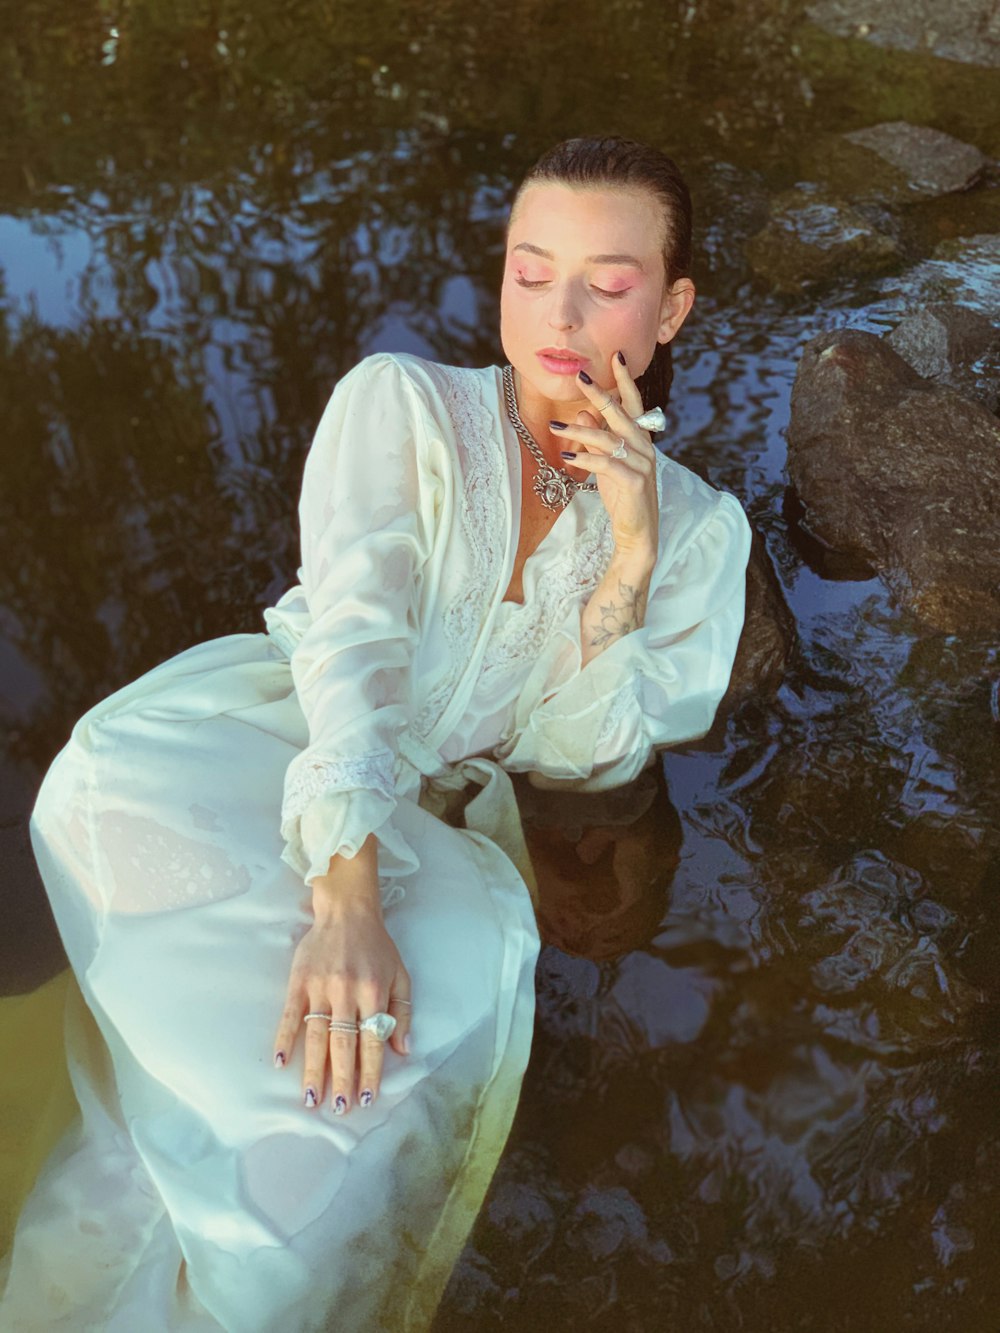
x=298, y=1041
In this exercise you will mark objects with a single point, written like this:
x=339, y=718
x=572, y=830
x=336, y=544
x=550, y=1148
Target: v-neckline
x=515, y=481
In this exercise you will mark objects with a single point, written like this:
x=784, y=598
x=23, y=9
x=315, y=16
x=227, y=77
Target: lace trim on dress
x=373, y=770
x=482, y=510
x=522, y=635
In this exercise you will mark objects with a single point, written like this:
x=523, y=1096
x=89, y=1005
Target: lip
x=562, y=360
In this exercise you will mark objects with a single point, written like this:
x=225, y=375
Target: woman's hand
x=626, y=485
x=347, y=965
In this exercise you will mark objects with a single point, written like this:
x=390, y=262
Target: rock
x=894, y=162
x=769, y=635
x=902, y=473
x=952, y=345
x=931, y=162
x=604, y=1221
x=814, y=238
x=963, y=270
x=523, y=1220
x=964, y=30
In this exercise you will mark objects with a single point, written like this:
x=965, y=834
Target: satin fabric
x=178, y=830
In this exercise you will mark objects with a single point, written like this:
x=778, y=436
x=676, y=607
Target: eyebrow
x=591, y=259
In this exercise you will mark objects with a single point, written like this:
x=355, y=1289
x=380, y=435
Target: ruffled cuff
x=323, y=816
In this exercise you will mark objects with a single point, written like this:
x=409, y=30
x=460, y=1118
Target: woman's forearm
x=349, y=881
x=617, y=606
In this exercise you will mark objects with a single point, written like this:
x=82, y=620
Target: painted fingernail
x=585, y=377
x=558, y=425
x=621, y=358
x=566, y=453
x=279, y=1059
x=339, y=1104
x=310, y=1098
x=366, y=1097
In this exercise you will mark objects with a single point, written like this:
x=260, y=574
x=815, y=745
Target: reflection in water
x=763, y=1089
x=604, y=862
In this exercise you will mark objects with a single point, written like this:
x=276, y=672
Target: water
x=764, y=1082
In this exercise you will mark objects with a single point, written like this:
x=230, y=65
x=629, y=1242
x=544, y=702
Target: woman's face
x=584, y=277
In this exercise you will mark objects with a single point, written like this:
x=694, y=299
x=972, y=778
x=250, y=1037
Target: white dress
x=177, y=831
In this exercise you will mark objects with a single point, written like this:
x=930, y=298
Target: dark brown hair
x=612, y=160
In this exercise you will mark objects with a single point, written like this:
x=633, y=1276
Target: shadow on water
x=763, y=1087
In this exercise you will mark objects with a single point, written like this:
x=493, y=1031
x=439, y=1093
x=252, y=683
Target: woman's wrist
x=618, y=603
x=351, y=883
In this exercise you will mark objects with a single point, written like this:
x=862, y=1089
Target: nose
x=564, y=311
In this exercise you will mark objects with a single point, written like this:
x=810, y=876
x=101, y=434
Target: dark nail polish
x=621, y=358
x=565, y=453
x=366, y=1097
x=279, y=1059
x=340, y=1104
x=310, y=1097
x=585, y=377
x=558, y=425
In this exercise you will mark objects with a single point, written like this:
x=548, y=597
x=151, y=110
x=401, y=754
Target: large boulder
x=894, y=163
x=902, y=473
x=953, y=345
x=965, y=30
x=813, y=238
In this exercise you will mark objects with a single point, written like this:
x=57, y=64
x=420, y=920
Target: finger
x=619, y=420
x=583, y=433
x=402, y=1012
x=630, y=396
x=605, y=401
x=315, y=1062
x=632, y=465
x=602, y=441
x=343, y=1048
x=288, y=1027
x=371, y=1051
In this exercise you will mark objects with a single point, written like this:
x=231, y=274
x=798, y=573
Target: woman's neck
x=536, y=411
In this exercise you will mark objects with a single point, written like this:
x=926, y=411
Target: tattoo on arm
x=619, y=616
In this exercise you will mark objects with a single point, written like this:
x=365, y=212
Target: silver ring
x=308, y=1016
x=398, y=999
x=621, y=451
x=654, y=419
x=610, y=399
x=342, y=1025
x=381, y=1026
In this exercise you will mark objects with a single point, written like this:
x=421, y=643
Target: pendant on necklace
x=552, y=486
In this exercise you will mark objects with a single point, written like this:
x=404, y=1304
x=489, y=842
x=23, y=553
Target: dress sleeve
x=596, y=726
x=366, y=517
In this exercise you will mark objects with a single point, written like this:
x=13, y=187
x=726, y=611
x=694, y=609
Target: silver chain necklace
x=553, y=485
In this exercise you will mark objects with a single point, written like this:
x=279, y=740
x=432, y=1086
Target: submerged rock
x=901, y=472
x=964, y=30
x=813, y=238
x=769, y=636
x=895, y=162
x=964, y=270
x=952, y=345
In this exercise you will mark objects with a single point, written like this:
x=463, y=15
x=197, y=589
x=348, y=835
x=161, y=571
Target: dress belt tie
x=493, y=811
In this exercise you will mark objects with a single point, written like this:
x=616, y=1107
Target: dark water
x=764, y=1088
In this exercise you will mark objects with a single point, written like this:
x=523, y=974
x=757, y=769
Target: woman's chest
x=535, y=524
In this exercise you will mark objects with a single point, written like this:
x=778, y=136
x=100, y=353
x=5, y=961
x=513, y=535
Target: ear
x=677, y=303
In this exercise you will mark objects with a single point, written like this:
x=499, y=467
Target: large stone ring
x=621, y=451
x=654, y=419
x=381, y=1026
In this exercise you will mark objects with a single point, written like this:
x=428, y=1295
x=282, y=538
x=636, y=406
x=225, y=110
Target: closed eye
x=523, y=282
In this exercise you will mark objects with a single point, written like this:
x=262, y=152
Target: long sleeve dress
x=178, y=829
